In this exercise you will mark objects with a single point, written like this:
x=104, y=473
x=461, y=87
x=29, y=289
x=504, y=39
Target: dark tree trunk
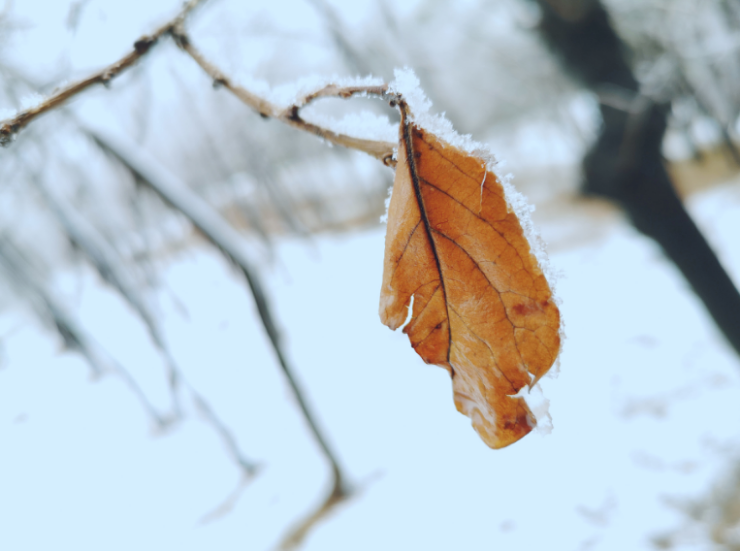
x=625, y=164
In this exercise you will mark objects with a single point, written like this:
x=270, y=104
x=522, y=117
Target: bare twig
x=75, y=338
x=344, y=92
x=228, y=504
x=300, y=530
x=207, y=219
x=9, y=128
x=381, y=150
x=295, y=537
x=105, y=260
x=226, y=239
x=250, y=469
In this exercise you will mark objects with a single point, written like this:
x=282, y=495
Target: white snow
x=384, y=217
x=7, y=113
x=291, y=93
x=407, y=84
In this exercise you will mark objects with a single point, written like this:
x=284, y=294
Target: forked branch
x=227, y=240
x=383, y=151
x=10, y=127
x=209, y=221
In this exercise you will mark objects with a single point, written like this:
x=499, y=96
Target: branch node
x=293, y=114
x=394, y=100
x=143, y=44
x=179, y=36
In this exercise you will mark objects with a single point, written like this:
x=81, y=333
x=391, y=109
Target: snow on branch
x=381, y=150
x=290, y=115
x=111, y=268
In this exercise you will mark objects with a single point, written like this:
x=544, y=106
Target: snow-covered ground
x=644, y=409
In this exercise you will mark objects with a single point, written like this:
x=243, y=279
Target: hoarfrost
x=540, y=407
x=520, y=206
x=384, y=218
x=26, y=102
x=407, y=85
x=292, y=93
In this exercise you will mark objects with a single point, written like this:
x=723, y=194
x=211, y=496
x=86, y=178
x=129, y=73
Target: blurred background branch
x=626, y=163
x=9, y=128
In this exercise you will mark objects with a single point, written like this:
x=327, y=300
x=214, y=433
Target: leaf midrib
x=416, y=182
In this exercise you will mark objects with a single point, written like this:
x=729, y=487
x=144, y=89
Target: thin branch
x=250, y=469
x=108, y=264
x=105, y=260
x=10, y=127
x=344, y=92
x=74, y=337
x=227, y=504
x=227, y=240
x=207, y=219
x=295, y=536
x=300, y=530
x=383, y=151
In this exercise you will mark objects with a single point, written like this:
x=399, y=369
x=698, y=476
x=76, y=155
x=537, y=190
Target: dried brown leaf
x=482, y=307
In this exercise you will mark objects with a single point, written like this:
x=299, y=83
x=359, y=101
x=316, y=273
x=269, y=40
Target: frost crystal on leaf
x=407, y=85
x=384, y=217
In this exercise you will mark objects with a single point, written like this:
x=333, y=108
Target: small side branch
x=383, y=151
x=113, y=272
x=13, y=262
x=298, y=533
x=228, y=241
x=208, y=220
x=9, y=128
